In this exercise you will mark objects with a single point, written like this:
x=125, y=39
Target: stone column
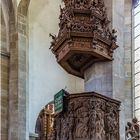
x=18, y=92
x=99, y=76
x=4, y=70
x=128, y=59
x=4, y=92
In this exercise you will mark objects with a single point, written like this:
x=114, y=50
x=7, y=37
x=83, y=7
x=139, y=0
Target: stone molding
x=5, y=54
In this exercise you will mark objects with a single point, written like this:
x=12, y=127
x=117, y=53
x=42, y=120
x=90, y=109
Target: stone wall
x=122, y=81
x=4, y=59
x=18, y=95
x=98, y=78
x=128, y=60
x=4, y=72
x=118, y=63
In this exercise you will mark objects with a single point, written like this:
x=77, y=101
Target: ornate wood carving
x=44, y=124
x=133, y=130
x=84, y=36
x=89, y=116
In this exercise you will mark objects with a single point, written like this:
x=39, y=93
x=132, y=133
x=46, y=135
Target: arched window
x=136, y=36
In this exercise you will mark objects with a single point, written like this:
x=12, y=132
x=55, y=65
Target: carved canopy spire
x=84, y=36
x=77, y=3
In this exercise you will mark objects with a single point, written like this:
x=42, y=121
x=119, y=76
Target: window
x=137, y=91
x=137, y=103
x=137, y=42
x=137, y=57
x=137, y=18
x=137, y=79
x=136, y=29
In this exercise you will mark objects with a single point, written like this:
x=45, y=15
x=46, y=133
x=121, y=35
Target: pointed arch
x=23, y=7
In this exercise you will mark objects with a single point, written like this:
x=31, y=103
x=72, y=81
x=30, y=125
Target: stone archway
x=23, y=7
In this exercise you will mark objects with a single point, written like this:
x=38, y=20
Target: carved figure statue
x=88, y=118
x=64, y=127
x=133, y=130
x=100, y=132
x=71, y=121
x=53, y=40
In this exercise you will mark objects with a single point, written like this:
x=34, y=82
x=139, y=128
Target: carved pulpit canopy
x=84, y=36
x=133, y=130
